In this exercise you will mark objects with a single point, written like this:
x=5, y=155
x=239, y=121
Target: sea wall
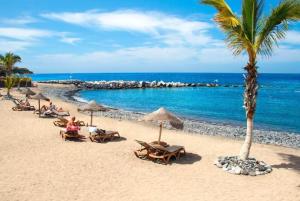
x=120, y=84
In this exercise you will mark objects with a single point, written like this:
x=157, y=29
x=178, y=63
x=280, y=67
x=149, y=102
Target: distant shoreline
x=288, y=139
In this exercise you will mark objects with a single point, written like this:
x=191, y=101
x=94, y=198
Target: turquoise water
x=278, y=104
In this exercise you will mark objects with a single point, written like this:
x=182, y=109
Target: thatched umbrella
x=163, y=115
x=91, y=107
x=27, y=92
x=40, y=97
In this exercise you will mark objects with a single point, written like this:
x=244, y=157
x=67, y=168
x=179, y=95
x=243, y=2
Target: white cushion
x=92, y=129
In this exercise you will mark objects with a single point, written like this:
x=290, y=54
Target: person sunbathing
x=51, y=108
x=25, y=102
x=72, y=127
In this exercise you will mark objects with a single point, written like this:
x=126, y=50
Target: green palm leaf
x=231, y=25
x=276, y=25
x=9, y=60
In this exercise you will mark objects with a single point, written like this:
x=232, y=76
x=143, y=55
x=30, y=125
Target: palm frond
x=251, y=14
x=236, y=38
x=9, y=60
x=276, y=25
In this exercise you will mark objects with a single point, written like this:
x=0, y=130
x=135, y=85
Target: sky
x=72, y=36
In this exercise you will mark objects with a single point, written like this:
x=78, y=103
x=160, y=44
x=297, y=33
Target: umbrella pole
x=160, y=130
x=39, y=108
x=91, y=118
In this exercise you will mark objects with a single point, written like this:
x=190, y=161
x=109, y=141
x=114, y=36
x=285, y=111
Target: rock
x=219, y=165
x=237, y=170
x=261, y=168
x=142, y=84
x=225, y=167
x=244, y=172
x=252, y=173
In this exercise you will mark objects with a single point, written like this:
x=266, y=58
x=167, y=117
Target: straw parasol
x=40, y=97
x=27, y=92
x=164, y=115
x=92, y=106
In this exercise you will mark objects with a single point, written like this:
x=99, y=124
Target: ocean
x=278, y=103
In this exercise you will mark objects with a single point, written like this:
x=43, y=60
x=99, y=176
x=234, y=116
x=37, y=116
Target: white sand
x=37, y=165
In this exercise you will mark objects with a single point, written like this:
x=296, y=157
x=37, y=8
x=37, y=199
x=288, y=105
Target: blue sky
x=61, y=36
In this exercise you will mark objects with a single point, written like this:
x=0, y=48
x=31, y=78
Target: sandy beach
x=36, y=164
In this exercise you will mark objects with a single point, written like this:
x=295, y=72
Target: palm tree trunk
x=250, y=94
x=8, y=92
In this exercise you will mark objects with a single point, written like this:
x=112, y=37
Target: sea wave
x=80, y=99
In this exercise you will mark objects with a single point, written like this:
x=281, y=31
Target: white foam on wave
x=80, y=99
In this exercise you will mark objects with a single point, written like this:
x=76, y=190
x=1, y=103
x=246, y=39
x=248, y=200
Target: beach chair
x=144, y=151
x=166, y=153
x=100, y=135
x=21, y=107
x=60, y=113
x=65, y=135
x=62, y=122
x=47, y=114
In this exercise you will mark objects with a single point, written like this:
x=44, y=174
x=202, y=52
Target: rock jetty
x=120, y=84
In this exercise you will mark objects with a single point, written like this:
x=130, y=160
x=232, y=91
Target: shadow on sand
x=76, y=139
x=119, y=139
x=292, y=162
x=189, y=158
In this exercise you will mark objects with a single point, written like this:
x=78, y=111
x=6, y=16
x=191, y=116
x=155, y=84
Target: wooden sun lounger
x=103, y=135
x=62, y=122
x=61, y=114
x=144, y=151
x=70, y=135
x=166, y=153
x=47, y=114
x=154, y=151
x=20, y=107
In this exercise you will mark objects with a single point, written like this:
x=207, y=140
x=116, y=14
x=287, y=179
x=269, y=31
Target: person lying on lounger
x=72, y=127
x=25, y=102
x=51, y=108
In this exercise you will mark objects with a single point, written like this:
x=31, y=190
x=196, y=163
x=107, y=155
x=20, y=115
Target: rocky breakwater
x=120, y=84
x=138, y=84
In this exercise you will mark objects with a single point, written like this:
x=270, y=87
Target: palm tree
x=253, y=34
x=9, y=83
x=8, y=61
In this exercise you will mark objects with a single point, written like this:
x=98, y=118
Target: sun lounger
x=70, y=134
x=144, y=151
x=61, y=114
x=99, y=135
x=62, y=122
x=166, y=153
x=154, y=151
x=47, y=114
x=21, y=107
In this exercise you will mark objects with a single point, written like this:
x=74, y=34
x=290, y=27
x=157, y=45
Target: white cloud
x=15, y=38
x=23, y=20
x=127, y=59
x=70, y=40
x=292, y=37
x=170, y=29
x=160, y=59
x=23, y=33
x=12, y=46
